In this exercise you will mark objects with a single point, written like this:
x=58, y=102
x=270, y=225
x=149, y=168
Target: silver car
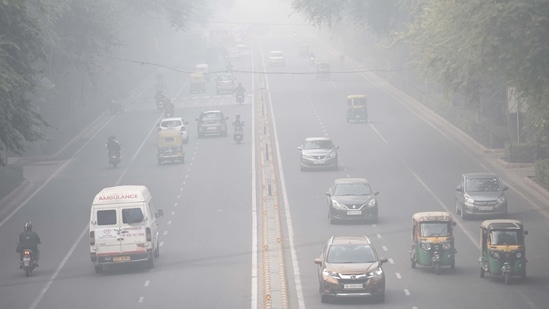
x=480, y=194
x=318, y=152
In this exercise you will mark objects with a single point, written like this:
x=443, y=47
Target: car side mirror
x=376, y=193
x=159, y=213
x=300, y=148
x=459, y=188
x=327, y=194
x=525, y=233
x=318, y=261
x=382, y=261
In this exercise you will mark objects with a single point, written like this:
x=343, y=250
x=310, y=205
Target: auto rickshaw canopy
x=170, y=137
x=506, y=224
x=357, y=100
x=432, y=216
x=197, y=77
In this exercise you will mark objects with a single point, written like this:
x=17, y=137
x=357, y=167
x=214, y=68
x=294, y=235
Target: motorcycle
x=240, y=97
x=27, y=263
x=238, y=134
x=114, y=158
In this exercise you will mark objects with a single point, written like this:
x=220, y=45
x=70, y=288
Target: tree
x=20, y=46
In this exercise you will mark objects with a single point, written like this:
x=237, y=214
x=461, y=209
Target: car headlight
x=306, y=156
x=337, y=205
x=331, y=155
x=372, y=203
x=469, y=200
x=329, y=273
x=375, y=273
x=501, y=199
x=446, y=246
x=519, y=255
x=426, y=246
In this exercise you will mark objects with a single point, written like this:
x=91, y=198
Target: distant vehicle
x=318, y=152
x=480, y=194
x=233, y=52
x=224, y=83
x=352, y=199
x=175, y=123
x=243, y=50
x=203, y=68
x=276, y=58
x=349, y=267
x=211, y=122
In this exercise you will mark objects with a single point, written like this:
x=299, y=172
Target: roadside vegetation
x=484, y=64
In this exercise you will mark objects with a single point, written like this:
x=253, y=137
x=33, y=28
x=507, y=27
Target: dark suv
x=211, y=122
x=349, y=267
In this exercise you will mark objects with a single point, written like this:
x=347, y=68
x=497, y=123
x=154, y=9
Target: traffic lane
x=210, y=233
x=312, y=229
x=58, y=212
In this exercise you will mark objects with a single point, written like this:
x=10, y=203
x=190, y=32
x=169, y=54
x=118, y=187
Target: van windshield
x=132, y=215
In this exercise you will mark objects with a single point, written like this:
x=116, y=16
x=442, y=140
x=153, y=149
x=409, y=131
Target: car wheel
x=98, y=269
x=453, y=263
x=413, y=263
x=380, y=298
x=324, y=298
x=463, y=215
x=151, y=262
x=457, y=207
x=481, y=272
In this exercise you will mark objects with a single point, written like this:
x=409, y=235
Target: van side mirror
x=459, y=188
x=525, y=233
x=159, y=213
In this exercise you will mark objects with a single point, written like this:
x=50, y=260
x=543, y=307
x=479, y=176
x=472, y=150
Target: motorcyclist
x=113, y=145
x=237, y=123
x=29, y=239
x=169, y=107
x=240, y=90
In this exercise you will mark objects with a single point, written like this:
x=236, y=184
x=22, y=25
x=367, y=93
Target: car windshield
x=357, y=102
x=352, y=189
x=171, y=123
x=350, y=254
x=319, y=144
x=430, y=229
x=482, y=184
x=211, y=116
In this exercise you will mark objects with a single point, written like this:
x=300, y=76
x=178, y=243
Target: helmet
x=28, y=226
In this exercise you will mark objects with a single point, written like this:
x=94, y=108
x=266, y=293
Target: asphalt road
x=207, y=249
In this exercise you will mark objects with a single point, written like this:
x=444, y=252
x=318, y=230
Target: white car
x=276, y=58
x=175, y=123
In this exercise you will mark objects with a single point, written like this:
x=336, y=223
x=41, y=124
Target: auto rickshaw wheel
x=482, y=272
x=413, y=263
x=437, y=268
x=453, y=264
x=523, y=274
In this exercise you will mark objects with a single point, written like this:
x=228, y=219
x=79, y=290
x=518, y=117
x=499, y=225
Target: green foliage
x=20, y=46
x=380, y=16
x=541, y=168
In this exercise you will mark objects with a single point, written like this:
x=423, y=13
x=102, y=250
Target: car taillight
x=92, y=238
x=148, y=234
x=26, y=252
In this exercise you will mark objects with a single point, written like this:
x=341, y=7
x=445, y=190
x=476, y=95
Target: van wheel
x=98, y=269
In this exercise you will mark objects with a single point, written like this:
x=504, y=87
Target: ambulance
x=124, y=227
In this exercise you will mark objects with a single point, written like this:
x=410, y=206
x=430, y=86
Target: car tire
x=457, y=208
x=463, y=215
x=98, y=269
x=331, y=219
x=481, y=272
x=151, y=262
x=324, y=298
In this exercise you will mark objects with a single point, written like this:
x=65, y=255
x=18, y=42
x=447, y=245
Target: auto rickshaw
x=304, y=51
x=357, y=108
x=170, y=146
x=323, y=71
x=502, y=249
x=433, y=240
x=198, y=83
x=203, y=68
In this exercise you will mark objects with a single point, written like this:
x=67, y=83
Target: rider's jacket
x=29, y=239
x=113, y=145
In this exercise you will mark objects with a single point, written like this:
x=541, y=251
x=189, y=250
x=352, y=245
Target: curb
x=22, y=186
x=534, y=185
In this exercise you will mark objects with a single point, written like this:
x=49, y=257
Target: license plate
x=354, y=212
x=211, y=128
x=318, y=162
x=353, y=286
x=485, y=208
x=121, y=258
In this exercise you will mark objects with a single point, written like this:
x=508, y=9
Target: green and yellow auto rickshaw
x=323, y=70
x=502, y=249
x=433, y=240
x=197, y=82
x=357, y=108
x=170, y=146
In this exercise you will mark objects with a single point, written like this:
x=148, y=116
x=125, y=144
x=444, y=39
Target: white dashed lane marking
x=398, y=276
x=165, y=232
x=406, y=292
x=378, y=235
x=161, y=243
x=169, y=222
x=391, y=261
x=384, y=248
x=147, y=282
x=141, y=299
x=173, y=212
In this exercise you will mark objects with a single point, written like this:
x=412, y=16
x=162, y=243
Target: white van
x=124, y=227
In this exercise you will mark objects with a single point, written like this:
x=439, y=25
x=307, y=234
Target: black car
x=318, y=152
x=480, y=194
x=352, y=199
x=211, y=122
